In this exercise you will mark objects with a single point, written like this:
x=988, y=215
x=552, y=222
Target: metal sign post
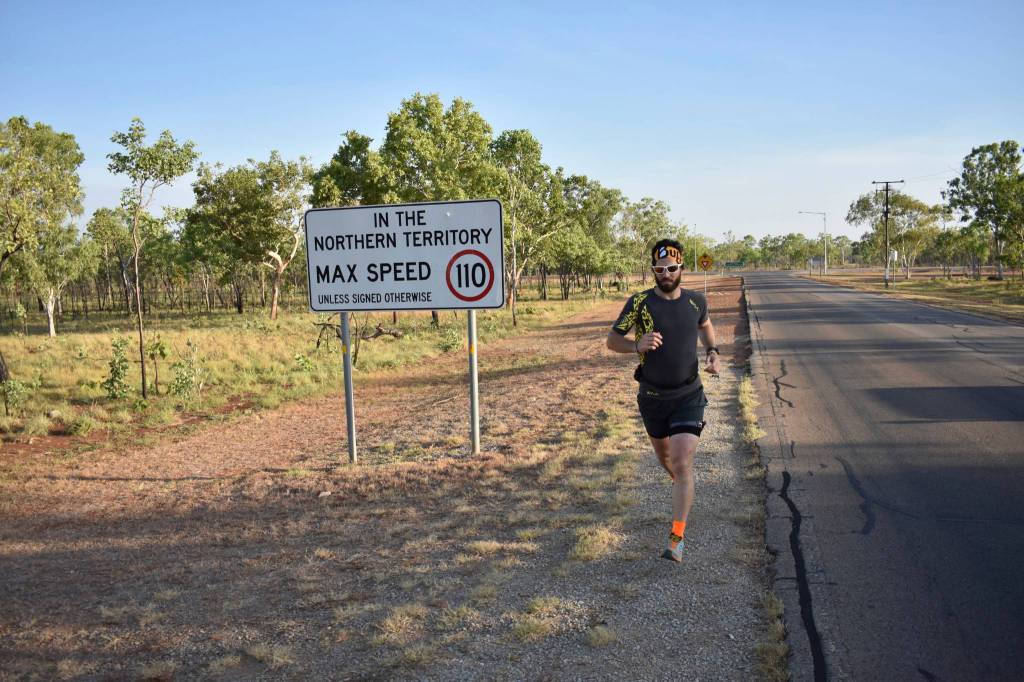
x=474, y=389
x=350, y=406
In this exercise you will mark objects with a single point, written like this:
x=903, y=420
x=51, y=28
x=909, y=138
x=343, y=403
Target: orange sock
x=678, y=530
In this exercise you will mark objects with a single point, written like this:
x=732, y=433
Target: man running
x=667, y=320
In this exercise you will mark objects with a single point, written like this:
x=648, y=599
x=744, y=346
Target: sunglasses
x=662, y=269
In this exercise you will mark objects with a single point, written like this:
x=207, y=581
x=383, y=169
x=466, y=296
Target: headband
x=666, y=252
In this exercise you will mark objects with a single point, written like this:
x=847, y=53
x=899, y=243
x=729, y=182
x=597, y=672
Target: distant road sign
x=425, y=256
x=705, y=262
x=734, y=264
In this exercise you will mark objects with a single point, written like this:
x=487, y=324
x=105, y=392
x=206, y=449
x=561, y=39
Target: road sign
x=424, y=256
x=734, y=264
x=705, y=262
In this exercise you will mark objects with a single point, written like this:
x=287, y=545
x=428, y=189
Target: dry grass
x=272, y=655
x=457, y=617
x=543, y=606
x=748, y=411
x=161, y=671
x=531, y=628
x=773, y=652
x=247, y=358
x=595, y=542
x=416, y=656
x=70, y=668
x=601, y=636
x=1000, y=299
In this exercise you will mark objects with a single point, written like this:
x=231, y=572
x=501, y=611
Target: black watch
x=713, y=349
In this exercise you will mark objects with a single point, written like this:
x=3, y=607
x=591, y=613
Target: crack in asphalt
x=778, y=385
x=803, y=586
x=865, y=505
x=869, y=501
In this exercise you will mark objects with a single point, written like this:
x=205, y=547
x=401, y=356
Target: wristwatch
x=713, y=349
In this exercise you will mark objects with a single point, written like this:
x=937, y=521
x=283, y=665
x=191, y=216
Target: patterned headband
x=666, y=252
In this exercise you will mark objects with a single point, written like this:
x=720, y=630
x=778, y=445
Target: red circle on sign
x=448, y=275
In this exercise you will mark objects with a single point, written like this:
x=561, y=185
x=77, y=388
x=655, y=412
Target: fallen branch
x=328, y=327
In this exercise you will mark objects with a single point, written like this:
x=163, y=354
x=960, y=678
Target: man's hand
x=714, y=364
x=648, y=342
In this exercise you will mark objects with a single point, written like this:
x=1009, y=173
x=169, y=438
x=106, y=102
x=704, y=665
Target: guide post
x=474, y=392
x=424, y=256
x=350, y=406
x=706, y=263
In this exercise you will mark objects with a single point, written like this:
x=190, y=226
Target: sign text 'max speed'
x=426, y=256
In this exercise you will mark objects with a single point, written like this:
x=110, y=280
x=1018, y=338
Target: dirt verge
x=249, y=550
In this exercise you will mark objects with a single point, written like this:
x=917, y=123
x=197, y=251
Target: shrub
x=116, y=383
x=37, y=426
x=82, y=425
x=303, y=363
x=14, y=394
x=189, y=373
x=450, y=340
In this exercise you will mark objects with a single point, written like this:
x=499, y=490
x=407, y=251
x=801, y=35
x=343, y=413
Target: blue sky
x=738, y=116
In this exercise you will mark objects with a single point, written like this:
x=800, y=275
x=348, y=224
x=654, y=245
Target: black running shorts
x=664, y=417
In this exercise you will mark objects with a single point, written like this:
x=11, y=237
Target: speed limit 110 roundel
x=424, y=256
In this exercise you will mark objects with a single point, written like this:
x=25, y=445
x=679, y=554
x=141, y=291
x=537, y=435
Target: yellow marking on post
x=472, y=349
x=344, y=349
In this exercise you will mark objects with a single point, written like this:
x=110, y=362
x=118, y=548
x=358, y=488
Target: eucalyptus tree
x=795, y=250
x=39, y=184
x=229, y=203
x=644, y=223
x=148, y=169
x=912, y=223
x=534, y=200
x=250, y=216
x=947, y=246
x=59, y=257
x=351, y=177
x=595, y=207
x=990, y=193
x=109, y=229
x=430, y=153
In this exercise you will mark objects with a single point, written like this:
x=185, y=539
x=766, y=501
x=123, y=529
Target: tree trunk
x=50, y=305
x=278, y=276
x=138, y=305
x=515, y=276
x=126, y=285
x=999, y=258
x=237, y=288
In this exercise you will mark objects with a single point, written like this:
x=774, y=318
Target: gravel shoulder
x=248, y=550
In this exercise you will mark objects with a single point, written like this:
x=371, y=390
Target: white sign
x=427, y=256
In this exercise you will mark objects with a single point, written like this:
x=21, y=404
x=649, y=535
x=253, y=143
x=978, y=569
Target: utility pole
x=824, y=224
x=695, y=248
x=888, y=251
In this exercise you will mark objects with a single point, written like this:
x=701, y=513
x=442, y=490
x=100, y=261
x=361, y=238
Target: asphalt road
x=895, y=452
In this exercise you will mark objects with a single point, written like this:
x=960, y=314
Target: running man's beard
x=671, y=285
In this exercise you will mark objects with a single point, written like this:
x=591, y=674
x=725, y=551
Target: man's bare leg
x=676, y=455
x=682, y=448
x=661, y=450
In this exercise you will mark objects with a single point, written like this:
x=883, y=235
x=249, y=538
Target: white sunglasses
x=662, y=269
